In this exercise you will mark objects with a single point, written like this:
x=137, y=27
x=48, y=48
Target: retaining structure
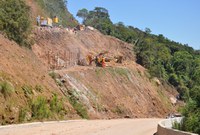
x=165, y=127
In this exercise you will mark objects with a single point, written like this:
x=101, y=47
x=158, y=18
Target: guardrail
x=165, y=127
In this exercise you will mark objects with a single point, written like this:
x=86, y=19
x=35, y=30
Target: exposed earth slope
x=119, y=90
x=116, y=91
x=54, y=80
x=23, y=78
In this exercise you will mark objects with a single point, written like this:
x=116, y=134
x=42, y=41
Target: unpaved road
x=85, y=127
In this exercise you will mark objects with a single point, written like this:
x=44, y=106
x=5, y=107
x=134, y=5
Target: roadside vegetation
x=15, y=22
x=42, y=109
x=6, y=88
x=71, y=95
x=172, y=62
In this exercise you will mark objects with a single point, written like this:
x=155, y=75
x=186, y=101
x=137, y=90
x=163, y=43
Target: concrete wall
x=165, y=128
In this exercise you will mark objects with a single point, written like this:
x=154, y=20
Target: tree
x=15, y=21
x=66, y=2
x=182, y=62
x=148, y=30
x=101, y=12
x=82, y=13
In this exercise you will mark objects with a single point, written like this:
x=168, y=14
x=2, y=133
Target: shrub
x=39, y=88
x=40, y=108
x=14, y=21
x=53, y=75
x=56, y=105
x=27, y=90
x=177, y=125
x=6, y=88
x=119, y=110
x=22, y=115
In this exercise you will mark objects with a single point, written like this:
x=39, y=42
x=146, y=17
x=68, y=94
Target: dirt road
x=85, y=127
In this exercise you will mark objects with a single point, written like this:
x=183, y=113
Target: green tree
x=99, y=19
x=148, y=30
x=15, y=21
x=82, y=13
x=182, y=62
x=101, y=12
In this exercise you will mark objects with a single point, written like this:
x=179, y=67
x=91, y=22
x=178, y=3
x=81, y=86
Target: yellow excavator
x=100, y=60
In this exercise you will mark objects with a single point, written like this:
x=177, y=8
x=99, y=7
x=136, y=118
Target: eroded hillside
x=118, y=90
x=25, y=85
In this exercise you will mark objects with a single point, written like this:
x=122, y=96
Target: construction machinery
x=100, y=59
x=46, y=22
x=80, y=27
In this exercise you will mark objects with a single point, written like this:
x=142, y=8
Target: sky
x=178, y=20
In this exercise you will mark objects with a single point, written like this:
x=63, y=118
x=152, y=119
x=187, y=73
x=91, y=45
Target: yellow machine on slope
x=46, y=22
x=100, y=59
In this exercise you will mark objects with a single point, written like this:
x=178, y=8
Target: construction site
x=101, y=70
x=72, y=55
x=81, y=66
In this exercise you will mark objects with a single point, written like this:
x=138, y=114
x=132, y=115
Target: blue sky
x=178, y=20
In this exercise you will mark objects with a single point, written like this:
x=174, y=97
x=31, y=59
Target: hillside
x=172, y=62
x=23, y=78
x=118, y=90
x=54, y=81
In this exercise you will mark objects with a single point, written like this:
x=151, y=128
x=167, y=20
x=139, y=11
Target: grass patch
x=53, y=75
x=39, y=88
x=6, y=88
x=80, y=109
x=100, y=71
x=119, y=72
x=118, y=110
x=28, y=90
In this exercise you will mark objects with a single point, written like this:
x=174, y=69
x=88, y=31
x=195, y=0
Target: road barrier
x=165, y=127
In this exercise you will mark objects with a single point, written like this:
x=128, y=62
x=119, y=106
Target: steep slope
x=71, y=47
x=119, y=90
x=28, y=93
x=23, y=78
